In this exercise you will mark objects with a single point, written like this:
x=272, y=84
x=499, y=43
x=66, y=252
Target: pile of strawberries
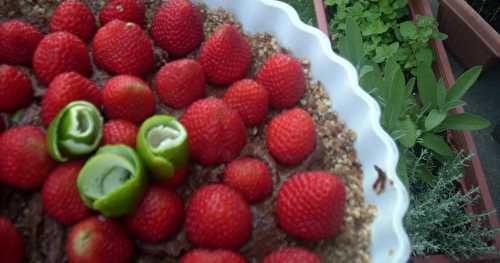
x=217, y=217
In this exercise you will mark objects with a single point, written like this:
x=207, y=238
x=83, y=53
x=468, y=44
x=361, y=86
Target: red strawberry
x=158, y=216
x=291, y=137
x=65, y=88
x=125, y=10
x=119, y=132
x=178, y=178
x=250, y=177
x=25, y=162
x=60, y=195
x=283, y=76
x=180, y=83
x=15, y=89
x=216, y=132
x=226, y=56
x=19, y=41
x=129, y=98
x=212, y=256
x=177, y=27
x=12, y=242
x=60, y=52
x=218, y=217
x=123, y=48
x=311, y=205
x=292, y=255
x=98, y=240
x=250, y=100
x=75, y=17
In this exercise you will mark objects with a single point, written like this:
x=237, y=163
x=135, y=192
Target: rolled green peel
x=162, y=144
x=113, y=180
x=75, y=131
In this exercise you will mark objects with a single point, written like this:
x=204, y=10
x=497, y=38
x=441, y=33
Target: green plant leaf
x=453, y=104
x=464, y=122
x=402, y=168
x=408, y=30
x=395, y=99
x=408, y=132
x=436, y=144
x=434, y=118
x=426, y=84
x=353, y=45
x=441, y=94
x=463, y=83
x=424, y=56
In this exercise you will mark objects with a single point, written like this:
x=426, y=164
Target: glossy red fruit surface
x=119, y=132
x=226, y=56
x=291, y=136
x=284, y=78
x=25, y=162
x=177, y=27
x=158, y=216
x=60, y=196
x=311, y=205
x=180, y=83
x=212, y=256
x=65, y=88
x=60, y=52
x=19, y=41
x=250, y=177
x=16, y=90
x=250, y=100
x=125, y=10
x=98, y=240
x=129, y=98
x=75, y=17
x=123, y=48
x=292, y=255
x=12, y=242
x=218, y=217
x=216, y=133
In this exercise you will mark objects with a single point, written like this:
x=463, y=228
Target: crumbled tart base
x=335, y=153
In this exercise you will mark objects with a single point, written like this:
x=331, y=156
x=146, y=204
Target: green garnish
x=162, y=144
x=113, y=180
x=75, y=131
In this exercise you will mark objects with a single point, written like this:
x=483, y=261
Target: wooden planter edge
x=474, y=174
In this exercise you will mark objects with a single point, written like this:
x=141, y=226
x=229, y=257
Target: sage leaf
x=426, y=84
x=436, y=144
x=463, y=83
x=408, y=130
x=464, y=122
x=434, y=118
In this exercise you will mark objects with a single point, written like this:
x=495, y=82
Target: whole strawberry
x=12, y=242
x=19, y=41
x=15, y=89
x=158, y=216
x=226, y=56
x=250, y=177
x=129, y=98
x=119, y=132
x=60, y=52
x=218, y=217
x=75, y=17
x=25, y=162
x=65, y=88
x=123, y=48
x=180, y=83
x=216, y=133
x=98, y=240
x=291, y=137
x=177, y=27
x=125, y=10
x=292, y=255
x=178, y=178
x=60, y=196
x=250, y=100
x=212, y=256
x=311, y=205
x=283, y=76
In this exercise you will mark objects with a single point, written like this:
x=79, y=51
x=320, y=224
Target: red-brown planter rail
x=470, y=38
x=474, y=175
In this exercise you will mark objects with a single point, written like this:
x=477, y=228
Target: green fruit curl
x=113, y=180
x=162, y=144
x=75, y=131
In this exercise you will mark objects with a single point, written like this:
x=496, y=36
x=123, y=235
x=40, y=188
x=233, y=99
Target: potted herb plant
x=473, y=30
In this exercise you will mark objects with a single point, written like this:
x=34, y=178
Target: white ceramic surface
x=360, y=112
